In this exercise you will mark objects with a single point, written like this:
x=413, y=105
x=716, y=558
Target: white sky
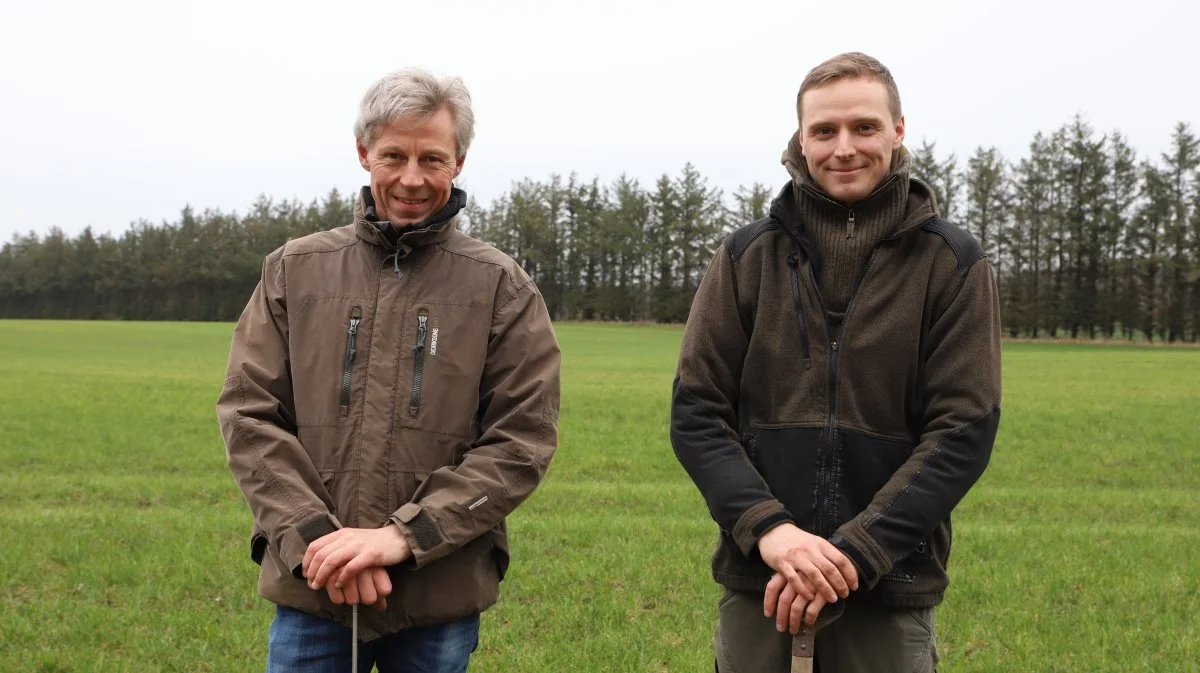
x=115, y=111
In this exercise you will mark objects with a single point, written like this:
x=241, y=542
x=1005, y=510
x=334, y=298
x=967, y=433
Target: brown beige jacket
x=371, y=383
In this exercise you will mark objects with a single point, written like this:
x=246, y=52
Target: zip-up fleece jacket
x=868, y=435
x=411, y=383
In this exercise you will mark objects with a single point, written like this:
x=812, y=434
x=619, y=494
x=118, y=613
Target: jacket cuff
x=425, y=540
x=871, y=561
x=756, y=521
x=291, y=552
x=294, y=542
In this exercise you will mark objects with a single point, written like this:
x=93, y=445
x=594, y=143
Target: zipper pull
x=850, y=226
x=422, y=323
x=834, y=346
x=354, y=326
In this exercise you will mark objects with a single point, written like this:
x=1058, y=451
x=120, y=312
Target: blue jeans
x=302, y=643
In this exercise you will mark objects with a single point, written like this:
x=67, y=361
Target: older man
x=838, y=393
x=392, y=395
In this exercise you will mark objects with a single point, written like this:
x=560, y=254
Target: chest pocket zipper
x=418, y=364
x=793, y=262
x=348, y=360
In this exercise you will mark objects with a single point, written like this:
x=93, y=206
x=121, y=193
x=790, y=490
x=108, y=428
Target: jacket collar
x=438, y=227
x=920, y=203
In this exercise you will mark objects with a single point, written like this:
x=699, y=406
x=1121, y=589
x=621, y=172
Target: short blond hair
x=851, y=65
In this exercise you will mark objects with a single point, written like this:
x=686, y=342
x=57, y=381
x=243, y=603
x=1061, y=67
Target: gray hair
x=415, y=92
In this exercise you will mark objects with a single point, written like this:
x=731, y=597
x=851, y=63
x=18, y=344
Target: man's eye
x=866, y=128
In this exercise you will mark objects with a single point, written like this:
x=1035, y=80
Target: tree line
x=1087, y=238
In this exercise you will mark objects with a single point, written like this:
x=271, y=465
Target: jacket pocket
x=787, y=460
x=793, y=262
x=869, y=462
x=446, y=348
x=404, y=486
x=418, y=378
x=348, y=358
x=909, y=568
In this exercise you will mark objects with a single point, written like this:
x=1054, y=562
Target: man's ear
x=799, y=138
x=362, y=154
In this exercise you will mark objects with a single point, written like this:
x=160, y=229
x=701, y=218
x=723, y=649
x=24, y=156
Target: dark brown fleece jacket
x=868, y=432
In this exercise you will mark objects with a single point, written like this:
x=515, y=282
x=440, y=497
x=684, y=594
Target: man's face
x=848, y=136
x=412, y=163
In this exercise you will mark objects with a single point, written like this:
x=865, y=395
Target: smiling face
x=848, y=136
x=412, y=162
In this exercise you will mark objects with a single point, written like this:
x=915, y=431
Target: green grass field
x=124, y=538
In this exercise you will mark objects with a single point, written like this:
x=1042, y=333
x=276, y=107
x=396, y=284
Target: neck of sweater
x=845, y=235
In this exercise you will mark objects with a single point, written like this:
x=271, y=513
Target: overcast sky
x=115, y=111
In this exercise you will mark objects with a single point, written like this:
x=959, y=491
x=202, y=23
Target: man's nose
x=410, y=175
x=845, y=144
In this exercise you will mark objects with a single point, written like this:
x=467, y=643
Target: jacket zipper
x=348, y=359
x=793, y=261
x=824, y=495
x=418, y=364
x=831, y=474
x=836, y=343
x=828, y=462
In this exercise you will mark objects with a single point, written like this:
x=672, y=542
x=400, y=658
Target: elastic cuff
x=770, y=521
x=866, y=574
x=750, y=526
x=862, y=549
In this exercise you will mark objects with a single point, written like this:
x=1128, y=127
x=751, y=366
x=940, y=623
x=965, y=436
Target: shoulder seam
x=737, y=242
x=458, y=253
x=297, y=253
x=966, y=249
x=514, y=288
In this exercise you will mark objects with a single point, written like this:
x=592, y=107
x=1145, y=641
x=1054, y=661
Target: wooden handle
x=803, y=644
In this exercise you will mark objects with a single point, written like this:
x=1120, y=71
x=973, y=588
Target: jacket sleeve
x=518, y=433
x=257, y=416
x=961, y=416
x=704, y=403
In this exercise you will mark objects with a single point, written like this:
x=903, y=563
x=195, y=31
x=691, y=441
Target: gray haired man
x=392, y=395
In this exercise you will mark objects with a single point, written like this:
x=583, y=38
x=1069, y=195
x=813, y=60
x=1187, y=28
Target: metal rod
x=354, y=638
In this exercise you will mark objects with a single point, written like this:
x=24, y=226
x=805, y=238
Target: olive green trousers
x=867, y=638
